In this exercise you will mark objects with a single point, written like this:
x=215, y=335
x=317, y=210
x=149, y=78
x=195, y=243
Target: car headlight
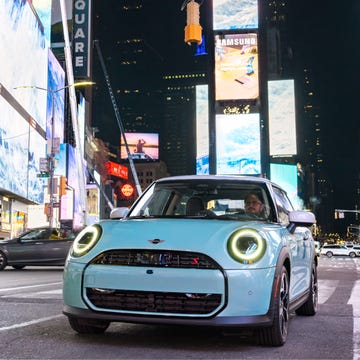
x=86, y=240
x=246, y=246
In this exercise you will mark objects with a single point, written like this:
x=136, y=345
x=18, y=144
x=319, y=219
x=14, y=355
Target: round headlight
x=86, y=240
x=246, y=246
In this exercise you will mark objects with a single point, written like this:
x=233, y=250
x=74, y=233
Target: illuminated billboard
x=238, y=144
x=235, y=14
x=55, y=98
x=118, y=170
x=282, y=125
x=286, y=176
x=202, y=130
x=142, y=146
x=23, y=99
x=236, y=67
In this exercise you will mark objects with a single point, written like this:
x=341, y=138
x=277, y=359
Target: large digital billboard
x=236, y=67
x=24, y=67
x=282, y=125
x=238, y=144
x=55, y=99
x=142, y=146
x=235, y=14
x=23, y=99
x=202, y=129
x=286, y=176
x=21, y=147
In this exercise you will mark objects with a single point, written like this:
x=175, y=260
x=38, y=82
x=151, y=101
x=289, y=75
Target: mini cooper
x=222, y=251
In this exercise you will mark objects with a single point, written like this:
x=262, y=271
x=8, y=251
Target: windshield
x=205, y=199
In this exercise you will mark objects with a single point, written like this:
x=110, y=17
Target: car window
x=283, y=205
x=212, y=199
x=36, y=234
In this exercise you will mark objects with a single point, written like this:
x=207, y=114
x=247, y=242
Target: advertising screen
x=55, y=97
x=236, y=67
x=282, y=126
x=285, y=175
x=24, y=66
x=235, y=14
x=142, y=146
x=23, y=99
x=238, y=144
x=202, y=130
x=21, y=147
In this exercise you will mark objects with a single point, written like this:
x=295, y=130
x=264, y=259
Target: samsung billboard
x=236, y=67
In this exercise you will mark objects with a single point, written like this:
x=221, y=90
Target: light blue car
x=225, y=251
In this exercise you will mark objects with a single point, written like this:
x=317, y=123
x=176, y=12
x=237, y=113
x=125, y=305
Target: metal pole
x=73, y=107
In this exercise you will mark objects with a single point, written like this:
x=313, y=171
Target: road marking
x=29, y=286
x=355, y=302
x=326, y=289
x=28, y=323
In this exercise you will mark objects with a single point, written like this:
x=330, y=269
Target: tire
x=3, y=261
x=18, y=267
x=276, y=334
x=329, y=254
x=352, y=254
x=309, y=308
x=83, y=326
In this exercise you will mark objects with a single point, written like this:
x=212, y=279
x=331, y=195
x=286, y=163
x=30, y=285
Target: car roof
x=254, y=179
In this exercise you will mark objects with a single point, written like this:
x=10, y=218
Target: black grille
x=156, y=258
x=154, y=302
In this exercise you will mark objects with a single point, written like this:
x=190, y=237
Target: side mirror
x=119, y=213
x=300, y=218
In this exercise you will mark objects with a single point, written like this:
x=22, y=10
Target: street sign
x=44, y=165
x=43, y=175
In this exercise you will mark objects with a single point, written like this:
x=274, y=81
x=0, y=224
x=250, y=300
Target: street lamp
x=53, y=149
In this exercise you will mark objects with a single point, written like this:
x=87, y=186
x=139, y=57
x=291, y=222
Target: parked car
x=189, y=253
x=331, y=250
x=356, y=248
x=36, y=247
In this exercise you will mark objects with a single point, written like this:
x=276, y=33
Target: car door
x=299, y=244
x=29, y=247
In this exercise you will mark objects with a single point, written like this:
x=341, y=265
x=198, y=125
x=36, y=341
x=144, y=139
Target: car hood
x=199, y=235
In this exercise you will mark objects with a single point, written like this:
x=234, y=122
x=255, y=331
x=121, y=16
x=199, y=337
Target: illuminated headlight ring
x=86, y=240
x=246, y=246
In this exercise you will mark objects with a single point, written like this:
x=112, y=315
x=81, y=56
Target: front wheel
x=3, y=261
x=276, y=334
x=83, y=326
x=352, y=254
x=329, y=254
x=310, y=306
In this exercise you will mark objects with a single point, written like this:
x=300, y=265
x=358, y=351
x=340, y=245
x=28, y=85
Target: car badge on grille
x=156, y=241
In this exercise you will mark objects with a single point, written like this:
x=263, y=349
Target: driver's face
x=253, y=205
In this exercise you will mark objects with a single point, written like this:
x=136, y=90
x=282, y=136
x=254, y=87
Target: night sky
x=326, y=38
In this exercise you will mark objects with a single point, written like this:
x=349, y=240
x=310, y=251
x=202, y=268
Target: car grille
x=154, y=302
x=156, y=258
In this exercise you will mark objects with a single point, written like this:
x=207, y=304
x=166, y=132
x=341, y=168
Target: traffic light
x=63, y=185
x=193, y=28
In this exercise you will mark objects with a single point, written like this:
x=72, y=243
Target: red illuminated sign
x=117, y=170
x=127, y=190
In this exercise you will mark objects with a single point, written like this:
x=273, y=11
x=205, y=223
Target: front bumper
x=243, y=296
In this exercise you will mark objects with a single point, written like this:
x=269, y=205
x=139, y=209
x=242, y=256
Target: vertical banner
x=81, y=38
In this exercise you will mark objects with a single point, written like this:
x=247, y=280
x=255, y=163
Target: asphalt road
x=32, y=325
